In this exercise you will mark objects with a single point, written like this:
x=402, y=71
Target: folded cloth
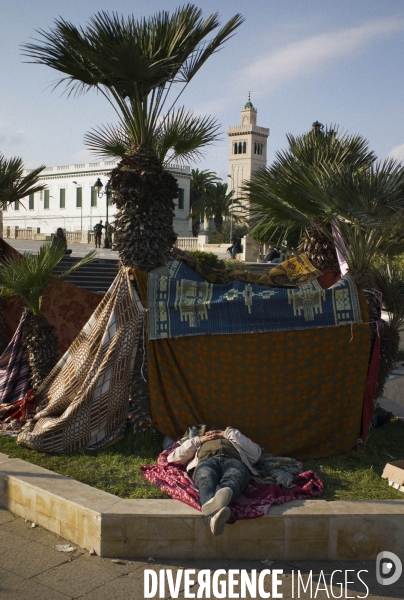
x=255, y=500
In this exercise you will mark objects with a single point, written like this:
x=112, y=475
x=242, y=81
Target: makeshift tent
x=292, y=377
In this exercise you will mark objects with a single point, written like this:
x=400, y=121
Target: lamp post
x=107, y=193
x=81, y=205
x=231, y=212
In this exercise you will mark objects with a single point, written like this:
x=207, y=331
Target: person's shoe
x=220, y=499
x=219, y=520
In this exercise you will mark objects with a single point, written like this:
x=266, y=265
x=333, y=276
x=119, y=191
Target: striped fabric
x=14, y=369
x=85, y=398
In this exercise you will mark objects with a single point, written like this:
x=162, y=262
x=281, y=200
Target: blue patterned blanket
x=180, y=303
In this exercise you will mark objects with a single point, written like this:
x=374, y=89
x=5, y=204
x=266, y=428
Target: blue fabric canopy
x=181, y=303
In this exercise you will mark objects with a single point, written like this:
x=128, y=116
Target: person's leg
x=235, y=476
x=207, y=478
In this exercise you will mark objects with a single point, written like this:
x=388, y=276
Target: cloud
x=397, y=153
x=309, y=55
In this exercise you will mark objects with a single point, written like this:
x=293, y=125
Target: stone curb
x=298, y=530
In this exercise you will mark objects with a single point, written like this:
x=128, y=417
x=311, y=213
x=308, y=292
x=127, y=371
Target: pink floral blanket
x=254, y=502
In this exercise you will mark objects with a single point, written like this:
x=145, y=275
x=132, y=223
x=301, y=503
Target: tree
x=14, y=185
x=290, y=196
x=26, y=279
x=200, y=182
x=141, y=67
x=217, y=204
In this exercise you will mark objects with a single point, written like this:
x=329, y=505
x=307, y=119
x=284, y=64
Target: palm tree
x=217, y=204
x=200, y=182
x=26, y=279
x=14, y=186
x=141, y=67
x=289, y=196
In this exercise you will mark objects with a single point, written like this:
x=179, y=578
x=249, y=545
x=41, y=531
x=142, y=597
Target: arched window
x=244, y=147
x=240, y=148
x=235, y=148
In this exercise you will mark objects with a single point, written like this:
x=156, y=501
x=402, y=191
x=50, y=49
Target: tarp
x=86, y=395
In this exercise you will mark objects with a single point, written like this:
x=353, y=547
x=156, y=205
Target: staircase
x=95, y=277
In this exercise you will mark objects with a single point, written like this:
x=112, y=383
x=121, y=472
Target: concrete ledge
x=299, y=530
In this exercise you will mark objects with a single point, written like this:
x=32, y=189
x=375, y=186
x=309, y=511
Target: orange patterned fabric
x=296, y=393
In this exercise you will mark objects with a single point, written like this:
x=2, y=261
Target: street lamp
x=231, y=212
x=81, y=205
x=108, y=194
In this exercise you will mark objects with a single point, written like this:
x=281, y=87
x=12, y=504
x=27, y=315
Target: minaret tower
x=247, y=147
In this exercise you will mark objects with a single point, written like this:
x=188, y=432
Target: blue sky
x=338, y=61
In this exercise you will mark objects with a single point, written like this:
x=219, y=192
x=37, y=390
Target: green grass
x=351, y=476
x=115, y=469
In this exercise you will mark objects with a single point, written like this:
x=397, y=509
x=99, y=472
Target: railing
x=24, y=234
x=73, y=236
x=187, y=243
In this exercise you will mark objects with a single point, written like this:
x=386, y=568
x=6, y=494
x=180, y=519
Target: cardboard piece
x=394, y=472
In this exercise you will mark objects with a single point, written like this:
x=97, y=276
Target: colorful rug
x=85, y=398
x=254, y=502
x=181, y=303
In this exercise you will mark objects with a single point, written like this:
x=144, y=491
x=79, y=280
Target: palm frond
x=390, y=279
x=134, y=63
x=28, y=277
x=185, y=134
x=86, y=260
x=14, y=185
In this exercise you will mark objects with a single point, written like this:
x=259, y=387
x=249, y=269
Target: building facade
x=70, y=200
x=247, y=148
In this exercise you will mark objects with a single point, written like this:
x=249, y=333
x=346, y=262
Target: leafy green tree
x=26, y=279
x=141, y=67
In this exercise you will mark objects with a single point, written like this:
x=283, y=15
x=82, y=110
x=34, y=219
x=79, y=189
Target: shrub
x=209, y=259
x=235, y=265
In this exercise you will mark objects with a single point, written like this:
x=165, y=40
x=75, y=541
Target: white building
x=247, y=147
x=71, y=202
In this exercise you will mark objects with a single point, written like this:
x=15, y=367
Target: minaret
x=247, y=147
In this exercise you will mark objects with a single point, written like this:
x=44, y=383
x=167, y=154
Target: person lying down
x=221, y=465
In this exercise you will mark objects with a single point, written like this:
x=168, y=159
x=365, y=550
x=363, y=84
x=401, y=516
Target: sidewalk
x=79, y=250
x=32, y=569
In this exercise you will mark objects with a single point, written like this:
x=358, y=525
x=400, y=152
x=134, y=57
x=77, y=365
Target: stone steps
x=95, y=277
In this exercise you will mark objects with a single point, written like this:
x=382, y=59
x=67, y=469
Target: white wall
x=72, y=218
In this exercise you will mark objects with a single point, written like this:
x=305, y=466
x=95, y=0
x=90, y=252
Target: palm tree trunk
x=41, y=341
x=218, y=220
x=144, y=193
x=319, y=249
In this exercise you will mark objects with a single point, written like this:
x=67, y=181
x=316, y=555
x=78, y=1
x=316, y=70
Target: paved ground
x=78, y=249
x=32, y=569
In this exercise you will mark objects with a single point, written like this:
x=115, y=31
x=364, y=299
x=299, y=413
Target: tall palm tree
x=218, y=204
x=200, y=182
x=141, y=67
x=26, y=279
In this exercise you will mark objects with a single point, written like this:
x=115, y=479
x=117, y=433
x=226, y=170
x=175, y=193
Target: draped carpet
x=85, y=398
